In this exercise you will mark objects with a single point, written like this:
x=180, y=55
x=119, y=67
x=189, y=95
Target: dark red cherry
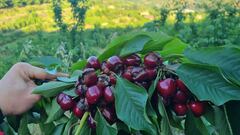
x=127, y=75
x=152, y=60
x=93, y=94
x=66, y=103
x=166, y=88
x=181, y=86
x=114, y=63
x=104, y=68
x=60, y=97
x=151, y=74
x=89, y=77
x=180, y=109
x=93, y=62
x=132, y=60
x=113, y=79
x=80, y=90
x=180, y=97
x=109, y=115
x=197, y=108
x=91, y=122
x=78, y=111
x=108, y=95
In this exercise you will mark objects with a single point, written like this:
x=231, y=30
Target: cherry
x=103, y=81
x=78, y=110
x=112, y=79
x=93, y=94
x=180, y=109
x=132, y=60
x=151, y=73
x=109, y=114
x=104, y=68
x=181, y=86
x=91, y=122
x=60, y=97
x=114, y=63
x=166, y=88
x=127, y=75
x=66, y=102
x=108, y=95
x=93, y=62
x=80, y=90
x=197, y=108
x=89, y=77
x=152, y=60
x=180, y=97
x=141, y=76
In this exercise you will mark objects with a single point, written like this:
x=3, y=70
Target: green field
x=26, y=32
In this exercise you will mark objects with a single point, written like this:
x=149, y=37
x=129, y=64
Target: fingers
x=39, y=73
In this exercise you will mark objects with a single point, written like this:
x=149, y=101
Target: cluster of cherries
x=176, y=95
x=96, y=90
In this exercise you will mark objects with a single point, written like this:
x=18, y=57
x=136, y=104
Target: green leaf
x=47, y=60
x=70, y=122
x=175, y=46
x=103, y=128
x=159, y=41
x=134, y=45
x=233, y=113
x=226, y=58
x=206, y=83
x=217, y=118
x=195, y=125
x=130, y=102
x=117, y=49
x=79, y=65
x=58, y=129
x=55, y=113
x=52, y=88
x=165, y=124
x=14, y=122
x=23, y=128
x=85, y=130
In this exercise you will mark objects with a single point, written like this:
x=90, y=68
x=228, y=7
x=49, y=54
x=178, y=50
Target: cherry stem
x=83, y=120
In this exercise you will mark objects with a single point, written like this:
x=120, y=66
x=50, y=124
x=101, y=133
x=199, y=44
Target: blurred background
x=72, y=30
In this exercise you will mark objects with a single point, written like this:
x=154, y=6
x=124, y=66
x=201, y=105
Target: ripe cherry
x=180, y=97
x=66, y=102
x=89, y=77
x=152, y=60
x=114, y=63
x=104, y=68
x=93, y=62
x=197, y=108
x=181, y=86
x=112, y=79
x=132, y=60
x=93, y=94
x=180, y=109
x=127, y=75
x=103, y=81
x=80, y=90
x=141, y=76
x=166, y=88
x=109, y=115
x=151, y=74
x=108, y=95
x=91, y=122
x=60, y=97
x=78, y=110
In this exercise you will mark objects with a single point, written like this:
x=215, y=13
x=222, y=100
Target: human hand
x=16, y=88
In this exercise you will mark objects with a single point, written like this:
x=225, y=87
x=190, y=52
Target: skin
x=16, y=88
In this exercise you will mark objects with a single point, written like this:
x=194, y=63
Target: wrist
x=1, y=97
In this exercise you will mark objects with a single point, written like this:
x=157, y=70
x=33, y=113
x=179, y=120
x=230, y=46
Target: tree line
x=20, y=3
